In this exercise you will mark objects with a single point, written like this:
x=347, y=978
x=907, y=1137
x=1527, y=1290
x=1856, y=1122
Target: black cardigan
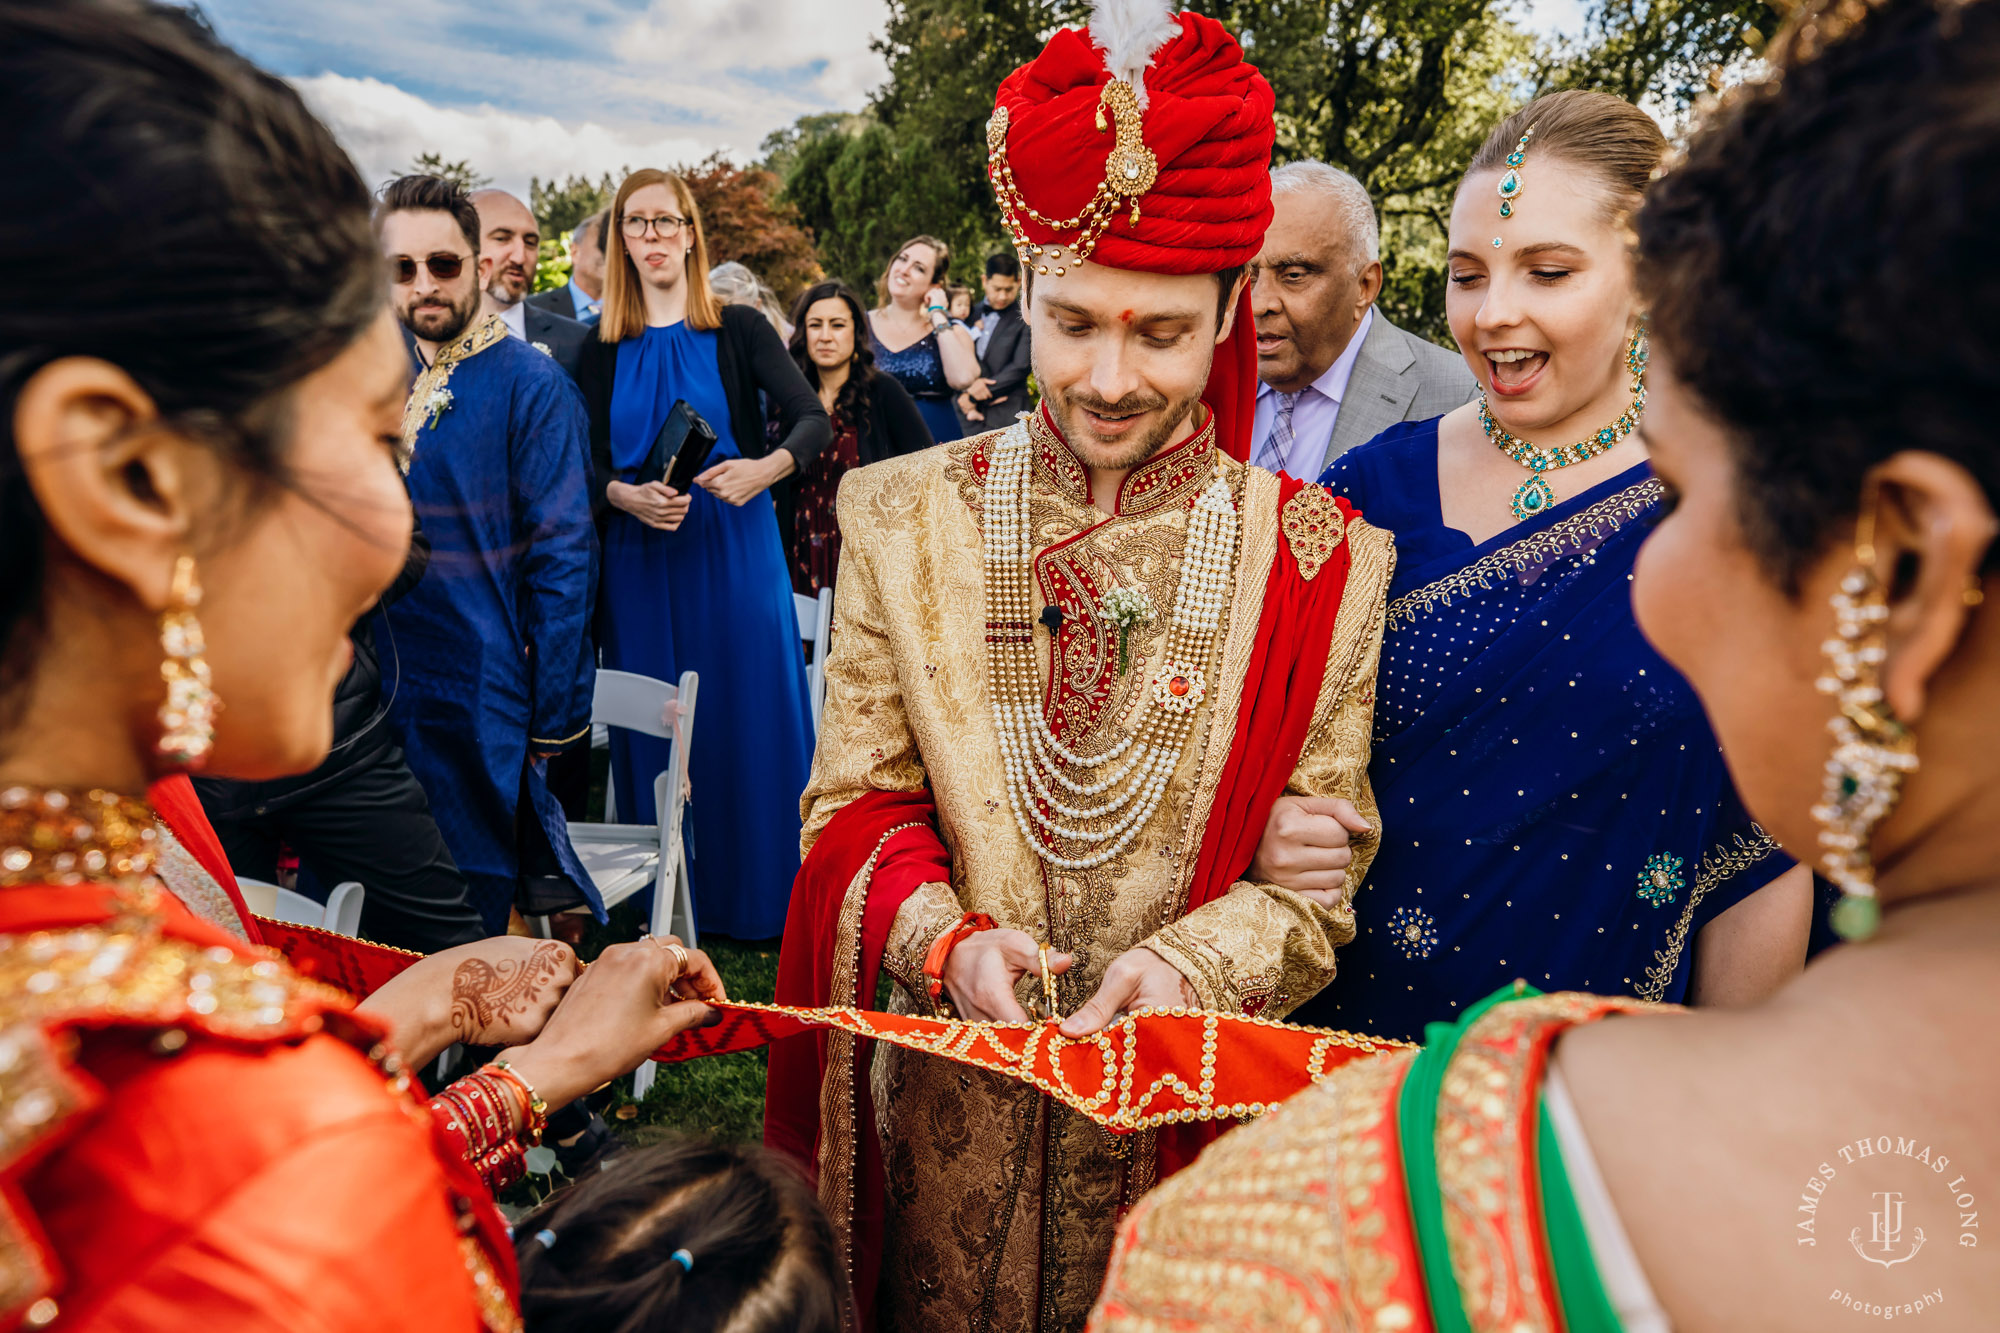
x=750, y=357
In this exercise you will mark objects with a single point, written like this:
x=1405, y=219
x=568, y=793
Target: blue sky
x=541, y=87
x=549, y=87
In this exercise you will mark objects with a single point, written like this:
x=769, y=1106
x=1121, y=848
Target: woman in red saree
x=1825, y=360
x=200, y=391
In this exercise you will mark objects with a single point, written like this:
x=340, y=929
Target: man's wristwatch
x=969, y=924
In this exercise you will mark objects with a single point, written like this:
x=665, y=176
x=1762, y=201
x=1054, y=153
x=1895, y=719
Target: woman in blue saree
x=1554, y=806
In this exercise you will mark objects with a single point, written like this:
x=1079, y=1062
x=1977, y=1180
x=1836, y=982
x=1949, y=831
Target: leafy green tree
x=1398, y=92
x=559, y=207
x=460, y=173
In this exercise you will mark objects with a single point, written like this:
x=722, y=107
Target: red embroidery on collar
x=1175, y=475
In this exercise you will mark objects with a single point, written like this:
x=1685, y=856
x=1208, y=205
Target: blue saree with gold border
x=1554, y=805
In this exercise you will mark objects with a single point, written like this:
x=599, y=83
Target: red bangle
x=969, y=924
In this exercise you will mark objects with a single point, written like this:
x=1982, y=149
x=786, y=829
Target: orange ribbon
x=1150, y=1068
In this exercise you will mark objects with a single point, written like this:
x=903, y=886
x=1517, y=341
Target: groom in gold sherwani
x=1074, y=663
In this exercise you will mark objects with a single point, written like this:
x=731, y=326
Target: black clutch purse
x=679, y=450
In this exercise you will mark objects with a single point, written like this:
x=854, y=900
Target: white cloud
x=385, y=128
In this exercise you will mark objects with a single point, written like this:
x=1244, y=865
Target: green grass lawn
x=721, y=1095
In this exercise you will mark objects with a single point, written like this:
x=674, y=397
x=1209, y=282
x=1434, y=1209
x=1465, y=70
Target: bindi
x=1125, y=316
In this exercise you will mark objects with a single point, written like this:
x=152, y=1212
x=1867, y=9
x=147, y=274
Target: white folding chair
x=815, y=628
x=622, y=859
x=341, y=913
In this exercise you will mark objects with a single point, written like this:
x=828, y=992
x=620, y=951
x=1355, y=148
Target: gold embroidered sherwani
x=1002, y=1204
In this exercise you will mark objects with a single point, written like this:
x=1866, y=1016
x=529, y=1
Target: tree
x=1398, y=92
x=560, y=207
x=460, y=174
x=744, y=220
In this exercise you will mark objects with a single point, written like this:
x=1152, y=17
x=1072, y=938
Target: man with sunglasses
x=497, y=666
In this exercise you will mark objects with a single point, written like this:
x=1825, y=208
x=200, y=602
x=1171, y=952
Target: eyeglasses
x=444, y=267
x=666, y=226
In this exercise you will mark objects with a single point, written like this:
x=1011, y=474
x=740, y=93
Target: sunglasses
x=444, y=267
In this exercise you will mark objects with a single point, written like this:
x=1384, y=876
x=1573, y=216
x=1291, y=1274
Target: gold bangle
x=538, y=1110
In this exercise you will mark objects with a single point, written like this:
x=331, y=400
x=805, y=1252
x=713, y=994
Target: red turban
x=1070, y=162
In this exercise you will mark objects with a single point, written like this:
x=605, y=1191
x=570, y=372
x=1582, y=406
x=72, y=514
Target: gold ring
x=680, y=959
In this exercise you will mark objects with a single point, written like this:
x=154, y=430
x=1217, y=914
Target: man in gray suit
x=1333, y=371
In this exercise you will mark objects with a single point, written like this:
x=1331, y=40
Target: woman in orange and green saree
x=1826, y=373
x=201, y=391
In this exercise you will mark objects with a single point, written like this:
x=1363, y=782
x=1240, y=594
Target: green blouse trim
x=1416, y=1129
x=1586, y=1308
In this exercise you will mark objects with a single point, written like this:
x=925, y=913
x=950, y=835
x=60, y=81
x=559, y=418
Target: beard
x=510, y=284
x=1125, y=454
x=436, y=319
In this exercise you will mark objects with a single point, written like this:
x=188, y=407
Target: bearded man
x=491, y=669
x=1075, y=663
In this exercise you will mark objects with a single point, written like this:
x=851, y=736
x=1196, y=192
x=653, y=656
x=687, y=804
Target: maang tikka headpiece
x=1510, y=184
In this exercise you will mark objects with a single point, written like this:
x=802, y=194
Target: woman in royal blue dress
x=698, y=582
x=914, y=338
x=1554, y=806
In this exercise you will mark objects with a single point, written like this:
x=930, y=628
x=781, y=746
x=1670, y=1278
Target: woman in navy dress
x=932, y=357
x=1554, y=806
x=699, y=581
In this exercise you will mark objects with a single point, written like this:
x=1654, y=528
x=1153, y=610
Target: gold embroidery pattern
x=496, y=1307
x=130, y=973
x=1570, y=535
x=839, y=1110
x=1276, y=1226
x=417, y=411
x=1313, y=527
x=1173, y=476
x=190, y=882
x=1724, y=861
x=1485, y=1158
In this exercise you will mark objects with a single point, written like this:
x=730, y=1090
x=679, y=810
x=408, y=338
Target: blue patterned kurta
x=491, y=655
x=1554, y=805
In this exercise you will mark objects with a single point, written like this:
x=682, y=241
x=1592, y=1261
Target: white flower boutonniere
x=1125, y=608
x=436, y=405
x=543, y=348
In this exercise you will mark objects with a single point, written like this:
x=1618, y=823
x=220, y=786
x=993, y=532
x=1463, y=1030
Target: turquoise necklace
x=1535, y=495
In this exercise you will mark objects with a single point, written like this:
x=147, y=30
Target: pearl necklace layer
x=1038, y=764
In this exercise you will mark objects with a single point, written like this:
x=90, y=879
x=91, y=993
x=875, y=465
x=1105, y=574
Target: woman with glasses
x=699, y=581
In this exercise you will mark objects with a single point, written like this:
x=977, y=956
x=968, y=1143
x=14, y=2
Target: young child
x=691, y=1236
x=958, y=303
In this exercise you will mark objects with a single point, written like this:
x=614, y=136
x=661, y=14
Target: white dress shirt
x=516, y=320
x=1313, y=416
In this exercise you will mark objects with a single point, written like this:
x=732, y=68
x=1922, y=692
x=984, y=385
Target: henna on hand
x=486, y=995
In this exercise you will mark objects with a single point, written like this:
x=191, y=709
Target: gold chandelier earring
x=1872, y=751
x=187, y=718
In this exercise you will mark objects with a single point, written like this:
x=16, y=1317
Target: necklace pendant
x=1534, y=497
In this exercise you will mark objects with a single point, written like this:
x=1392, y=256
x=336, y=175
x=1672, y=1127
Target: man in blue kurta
x=496, y=667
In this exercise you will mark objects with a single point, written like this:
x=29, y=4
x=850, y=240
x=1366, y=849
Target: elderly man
x=582, y=297
x=510, y=241
x=1332, y=370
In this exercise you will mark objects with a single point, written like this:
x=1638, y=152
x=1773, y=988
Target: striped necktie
x=1277, y=446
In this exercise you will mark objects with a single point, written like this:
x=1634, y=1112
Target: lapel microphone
x=1052, y=617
